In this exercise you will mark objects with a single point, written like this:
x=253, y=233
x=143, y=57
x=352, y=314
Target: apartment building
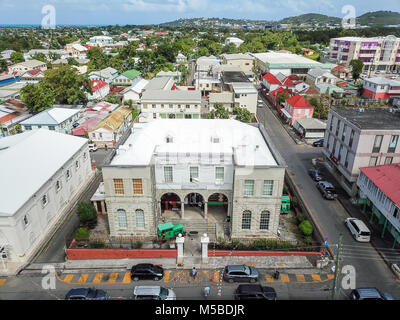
x=380, y=88
x=173, y=104
x=216, y=170
x=379, y=54
x=357, y=137
x=244, y=61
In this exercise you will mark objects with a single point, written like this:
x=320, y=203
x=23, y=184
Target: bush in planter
x=285, y=189
x=98, y=244
x=300, y=217
x=306, y=227
x=308, y=240
x=295, y=202
x=87, y=214
x=137, y=244
x=81, y=234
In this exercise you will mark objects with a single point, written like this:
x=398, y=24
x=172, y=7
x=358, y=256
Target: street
x=371, y=271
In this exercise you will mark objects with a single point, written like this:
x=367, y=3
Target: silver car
x=153, y=293
x=240, y=273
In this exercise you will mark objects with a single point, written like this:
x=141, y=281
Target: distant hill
x=311, y=19
x=375, y=19
x=379, y=18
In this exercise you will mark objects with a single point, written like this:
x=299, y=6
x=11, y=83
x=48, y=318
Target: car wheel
x=135, y=279
x=230, y=280
x=156, y=278
x=252, y=280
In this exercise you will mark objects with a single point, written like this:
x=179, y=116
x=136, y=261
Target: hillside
x=379, y=18
x=311, y=19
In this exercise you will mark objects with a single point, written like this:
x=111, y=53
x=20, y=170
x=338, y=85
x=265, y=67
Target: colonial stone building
x=194, y=170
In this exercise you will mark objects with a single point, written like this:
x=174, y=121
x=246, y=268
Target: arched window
x=139, y=218
x=264, y=220
x=246, y=220
x=122, y=221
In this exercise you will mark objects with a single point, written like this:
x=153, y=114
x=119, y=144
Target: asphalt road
x=371, y=271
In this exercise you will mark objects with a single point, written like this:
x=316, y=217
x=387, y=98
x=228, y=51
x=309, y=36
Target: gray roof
x=237, y=56
x=318, y=72
x=106, y=73
x=312, y=123
x=53, y=116
x=174, y=95
x=371, y=118
x=159, y=83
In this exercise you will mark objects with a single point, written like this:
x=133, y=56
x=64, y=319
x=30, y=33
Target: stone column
x=204, y=248
x=179, y=243
x=182, y=210
x=205, y=210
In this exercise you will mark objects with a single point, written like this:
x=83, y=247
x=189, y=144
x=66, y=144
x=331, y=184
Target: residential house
x=134, y=92
x=100, y=89
x=53, y=119
x=128, y=78
x=75, y=49
x=43, y=174
x=32, y=75
x=310, y=128
x=380, y=88
x=199, y=165
x=320, y=76
x=100, y=41
x=47, y=52
x=108, y=75
x=236, y=41
x=379, y=195
x=170, y=105
x=27, y=65
x=176, y=75
x=297, y=107
x=244, y=61
x=11, y=114
x=180, y=58
x=109, y=130
x=162, y=83
x=360, y=137
x=342, y=72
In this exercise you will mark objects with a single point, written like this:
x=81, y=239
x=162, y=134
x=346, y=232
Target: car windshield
x=163, y=293
x=92, y=293
x=247, y=270
x=365, y=233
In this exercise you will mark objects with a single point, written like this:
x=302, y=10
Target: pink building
x=297, y=107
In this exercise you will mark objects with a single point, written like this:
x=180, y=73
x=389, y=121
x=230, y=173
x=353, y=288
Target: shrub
x=295, y=202
x=308, y=240
x=81, y=234
x=87, y=214
x=137, y=244
x=285, y=189
x=306, y=228
x=98, y=244
x=300, y=217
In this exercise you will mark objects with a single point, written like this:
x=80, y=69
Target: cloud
x=165, y=5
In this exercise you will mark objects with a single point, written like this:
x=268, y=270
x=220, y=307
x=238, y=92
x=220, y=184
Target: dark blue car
x=86, y=294
x=319, y=143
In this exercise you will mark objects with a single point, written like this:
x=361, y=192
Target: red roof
x=298, y=101
x=387, y=179
x=294, y=77
x=288, y=82
x=98, y=84
x=34, y=71
x=280, y=90
x=271, y=79
x=7, y=117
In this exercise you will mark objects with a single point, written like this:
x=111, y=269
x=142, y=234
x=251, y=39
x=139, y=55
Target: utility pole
x=337, y=265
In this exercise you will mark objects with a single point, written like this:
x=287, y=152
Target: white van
x=358, y=229
x=92, y=147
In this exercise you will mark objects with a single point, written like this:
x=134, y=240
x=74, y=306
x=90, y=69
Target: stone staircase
x=198, y=225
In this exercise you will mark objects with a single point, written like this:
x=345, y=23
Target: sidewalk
x=298, y=263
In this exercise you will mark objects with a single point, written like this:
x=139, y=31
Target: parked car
x=92, y=147
x=254, y=292
x=315, y=174
x=153, y=293
x=369, y=294
x=327, y=190
x=146, y=271
x=86, y=294
x=358, y=229
x=319, y=143
x=240, y=273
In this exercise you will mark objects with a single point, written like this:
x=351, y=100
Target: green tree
x=242, y=114
x=319, y=111
x=98, y=59
x=40, y=57
x=219, y=112
x=357, y=68
x=113, y=98
x=17, y=57
x=87, y=214
x=306, y=228
x=3, y=65
x=37, y=97
x=72, y=61
x=282, y=97
x=81, y=234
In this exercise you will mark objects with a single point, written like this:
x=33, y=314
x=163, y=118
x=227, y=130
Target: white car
x=358, y=229
x=92, y=147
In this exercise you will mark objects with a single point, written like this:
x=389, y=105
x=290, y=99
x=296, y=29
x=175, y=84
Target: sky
x=139, y=12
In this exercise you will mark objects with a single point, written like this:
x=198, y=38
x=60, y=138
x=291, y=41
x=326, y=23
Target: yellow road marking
x=206, y=274
x=83, y=278
x=269, y=278
x=316, y=277
x=285, y=278
x=166, y=276
x=330, y=277
x=97, y=278
x=68, y=278
x=2, y=281
x=113, y=277
x=127, y=278
x=300, y=278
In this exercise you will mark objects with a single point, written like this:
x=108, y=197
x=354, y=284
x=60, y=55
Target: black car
x=146, y=271
x=315, y=174
x=319, y=143
x=240, y=273
x=254, y=292
x=327, y=190
x=86, y=294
